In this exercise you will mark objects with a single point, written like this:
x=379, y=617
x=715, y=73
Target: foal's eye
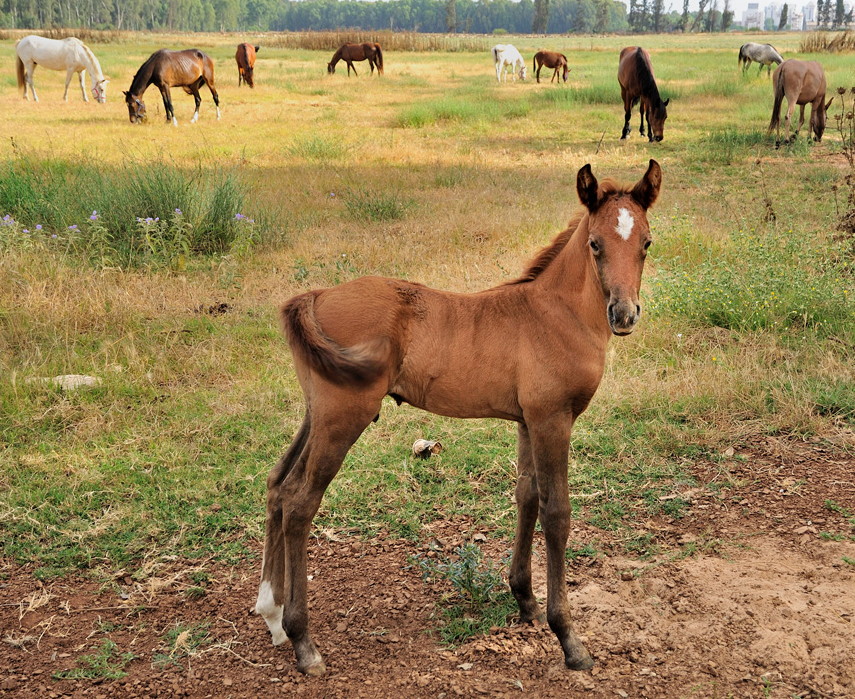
x=594, y=246
x=647, y=244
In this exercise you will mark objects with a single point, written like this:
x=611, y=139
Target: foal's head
x=330, y=68
x=566, y=72
x=136, y=108
x=618, y=238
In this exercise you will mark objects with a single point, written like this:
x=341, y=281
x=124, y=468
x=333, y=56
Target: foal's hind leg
x=197, y=98
x=270, y=602
x=526, y=496
x=339, y=415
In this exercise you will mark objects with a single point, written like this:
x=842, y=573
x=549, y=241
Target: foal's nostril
x=637, y=311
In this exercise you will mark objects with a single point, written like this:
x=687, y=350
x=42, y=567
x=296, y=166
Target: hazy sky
x=738, y=6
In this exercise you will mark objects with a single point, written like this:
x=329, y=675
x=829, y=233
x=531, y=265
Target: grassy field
x=434, y=173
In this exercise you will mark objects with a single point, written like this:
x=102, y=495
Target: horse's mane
x=140, y=81
x=94, y=60
x=645, y=75
x=545, y=257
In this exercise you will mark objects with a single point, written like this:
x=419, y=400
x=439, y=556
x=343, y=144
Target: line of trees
x=477, y=16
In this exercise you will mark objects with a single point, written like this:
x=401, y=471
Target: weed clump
x=480, y=599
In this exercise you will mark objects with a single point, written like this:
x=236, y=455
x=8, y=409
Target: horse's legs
x=801, y=121
x=338, y=417
x=537, y=72
x=526, y=497
x=197, y=98
x=68, y=75
x=215, y=95
x=82, y=75
x=627, y=106
x=550, y=441
x=167, y=104
x=28, y=80
x=270, y=602
x=642, y=105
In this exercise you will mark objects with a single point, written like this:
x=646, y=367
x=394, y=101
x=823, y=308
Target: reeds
x=825, y=42
x=389, y=40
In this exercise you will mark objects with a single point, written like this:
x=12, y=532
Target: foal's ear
x=586, y=187
x=665, y=103
x=257, y=49
x=647, y=188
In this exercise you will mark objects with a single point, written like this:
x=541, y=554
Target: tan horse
x=532, y=351
x=550, y=59
x=801, y=82
x=245, y=57
x=358, y=52
x=637, y=84
x=189, y=69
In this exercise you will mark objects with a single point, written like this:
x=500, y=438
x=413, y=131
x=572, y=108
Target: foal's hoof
x=314, y=670
x=585, y=662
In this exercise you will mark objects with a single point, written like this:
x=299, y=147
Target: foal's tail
x=19, y=65
x=359, y=364
x=741, y=58
x=379, y=58
x=779, y=98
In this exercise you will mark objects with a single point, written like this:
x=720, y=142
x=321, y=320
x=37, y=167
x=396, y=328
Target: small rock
x=465, y=666
x=626, y=575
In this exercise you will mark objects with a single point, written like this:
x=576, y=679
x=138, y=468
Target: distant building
x=753, y=18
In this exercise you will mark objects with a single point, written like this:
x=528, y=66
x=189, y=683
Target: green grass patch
x=104, y=664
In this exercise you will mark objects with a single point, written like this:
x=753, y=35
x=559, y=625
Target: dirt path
x=755, y=598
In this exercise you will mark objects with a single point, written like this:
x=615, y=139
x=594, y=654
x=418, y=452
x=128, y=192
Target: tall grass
x=59, y=196
x=825, y=42
x=389, y=40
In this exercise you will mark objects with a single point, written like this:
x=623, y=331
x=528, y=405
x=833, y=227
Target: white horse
x=70, y=55
x=506, y=56
x=764, y=54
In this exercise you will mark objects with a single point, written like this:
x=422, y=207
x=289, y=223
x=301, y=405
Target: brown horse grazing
x=802, y=82
x=358, y=52
x=531, y=350
x=635, y=75
x=189, y=69
x=550, y=59
x=245, y=58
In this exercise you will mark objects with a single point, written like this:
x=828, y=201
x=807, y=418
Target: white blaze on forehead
x=625, y=222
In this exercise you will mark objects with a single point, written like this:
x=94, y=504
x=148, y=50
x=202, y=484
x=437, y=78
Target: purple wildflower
x=38, y=226
x=26, y=230
x=72, y=227
x=178, y=211
x=54, y=236
x=94, y=216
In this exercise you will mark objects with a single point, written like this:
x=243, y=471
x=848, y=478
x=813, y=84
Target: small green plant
x=575, y=551
x=480, y=600
x=182, y=641
x=103, y=664
x=318, y=149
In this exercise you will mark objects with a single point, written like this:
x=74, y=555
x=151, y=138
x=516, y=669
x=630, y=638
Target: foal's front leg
x=167, y=104
x=526, y=496
x=550, y=440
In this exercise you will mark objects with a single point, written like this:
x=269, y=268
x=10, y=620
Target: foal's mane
x=542, y=260
x=648, y=82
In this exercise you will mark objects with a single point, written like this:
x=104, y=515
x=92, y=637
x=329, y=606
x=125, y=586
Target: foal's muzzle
x=623, y=316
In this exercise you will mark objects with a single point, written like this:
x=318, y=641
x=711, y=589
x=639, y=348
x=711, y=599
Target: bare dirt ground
x=764, y=607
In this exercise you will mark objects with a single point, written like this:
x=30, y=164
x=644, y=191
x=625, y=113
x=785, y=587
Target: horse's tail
x=379, y=58
x=359, y=364
x=495, y=53
x=779, y=98
x=19, y=65
x=741, y=55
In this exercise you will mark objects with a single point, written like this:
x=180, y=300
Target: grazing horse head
x=566, y=73
x=618, y=238
x=817, y=119
x=99, y=90
x=136, y=108
x=656, y=116
x=330, y=68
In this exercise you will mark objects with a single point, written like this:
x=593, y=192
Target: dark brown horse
x=801, y=82
x=188, y=69
x=531, y=350
x=358, y=52
x=245, y=58
x=550, y=59
x=637, y=84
